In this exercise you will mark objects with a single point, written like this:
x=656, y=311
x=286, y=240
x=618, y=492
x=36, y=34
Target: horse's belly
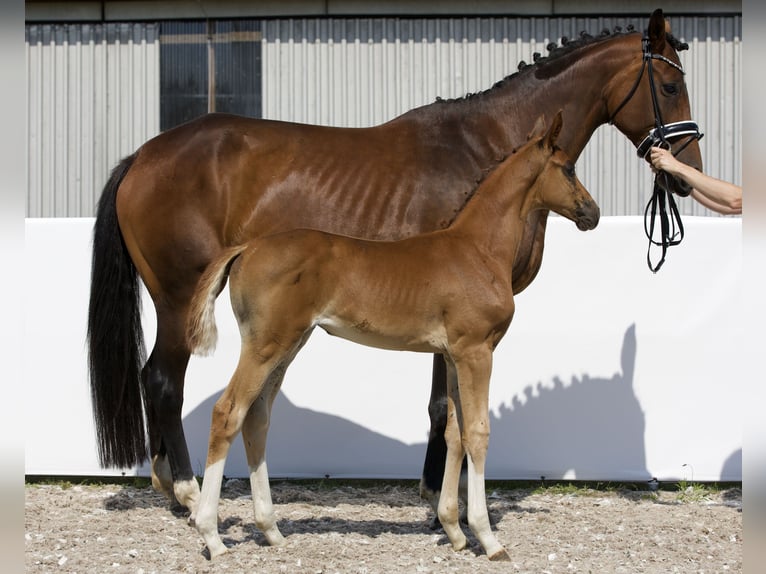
x=364, y=332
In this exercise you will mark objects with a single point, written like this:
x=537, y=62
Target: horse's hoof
x=500, y=556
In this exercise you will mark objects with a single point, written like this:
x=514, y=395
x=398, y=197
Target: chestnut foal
x=448, y=292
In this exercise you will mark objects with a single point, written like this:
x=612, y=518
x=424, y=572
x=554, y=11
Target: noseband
x=671, y=228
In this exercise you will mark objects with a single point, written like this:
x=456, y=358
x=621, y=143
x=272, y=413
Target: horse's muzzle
x=675, y=185
x=588, y=215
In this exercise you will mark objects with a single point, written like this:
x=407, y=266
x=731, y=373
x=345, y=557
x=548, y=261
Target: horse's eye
x=670, y=89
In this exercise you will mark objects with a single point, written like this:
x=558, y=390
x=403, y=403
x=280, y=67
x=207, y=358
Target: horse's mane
x=550, y=65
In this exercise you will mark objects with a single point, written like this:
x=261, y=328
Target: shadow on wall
x=307, y=443
x=732, y=467
x=591, y=429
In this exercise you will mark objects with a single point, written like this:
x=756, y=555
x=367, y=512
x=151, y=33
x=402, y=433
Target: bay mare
x=184, y=196
x=447, y=292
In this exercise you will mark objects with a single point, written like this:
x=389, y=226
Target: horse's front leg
x=447, y=509
x=473, y=381
x=436, y=451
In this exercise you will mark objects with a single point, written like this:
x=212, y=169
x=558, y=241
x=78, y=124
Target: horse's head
x=557, y=187
x=649, y=103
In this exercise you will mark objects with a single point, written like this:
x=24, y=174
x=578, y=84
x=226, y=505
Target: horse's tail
x=201, y=331
x=115, y=339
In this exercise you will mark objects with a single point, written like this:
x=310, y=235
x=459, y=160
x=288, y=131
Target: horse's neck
x=501, y=118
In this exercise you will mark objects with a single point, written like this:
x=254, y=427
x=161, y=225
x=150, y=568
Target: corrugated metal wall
x=360, y=72
x=94, y=91
x=93, y=97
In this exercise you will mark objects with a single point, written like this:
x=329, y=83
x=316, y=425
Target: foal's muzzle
x=587, y=215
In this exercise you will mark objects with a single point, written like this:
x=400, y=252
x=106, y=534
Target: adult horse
x=170, y=209
x=447, y=292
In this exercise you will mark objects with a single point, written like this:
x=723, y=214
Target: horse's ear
x=554, y=130
x=538, y=129
x=658, y=28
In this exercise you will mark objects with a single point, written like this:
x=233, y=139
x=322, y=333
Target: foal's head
x=557, y=187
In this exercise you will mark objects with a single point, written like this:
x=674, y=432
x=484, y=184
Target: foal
x=445, y=292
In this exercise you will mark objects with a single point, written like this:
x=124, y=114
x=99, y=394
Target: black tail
x=115, y=337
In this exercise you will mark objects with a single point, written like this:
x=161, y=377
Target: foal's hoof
x=500, y=556
x=220, y=551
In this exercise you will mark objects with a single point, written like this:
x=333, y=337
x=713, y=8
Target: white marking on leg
x=187, y=493
x=478, y=515
x=162, y=479
x=265, y=518
x=207, y=513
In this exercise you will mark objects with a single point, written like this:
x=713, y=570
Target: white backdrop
x=608, y=372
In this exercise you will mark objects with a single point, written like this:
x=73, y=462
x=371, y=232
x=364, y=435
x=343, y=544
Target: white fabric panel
x=608, y=372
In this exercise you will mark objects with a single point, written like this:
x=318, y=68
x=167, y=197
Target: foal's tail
x=115, y=338
x=201, y=331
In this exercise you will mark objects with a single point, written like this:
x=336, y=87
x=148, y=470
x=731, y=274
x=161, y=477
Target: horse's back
x=221, y=179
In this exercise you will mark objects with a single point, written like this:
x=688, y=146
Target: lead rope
x=671, y=226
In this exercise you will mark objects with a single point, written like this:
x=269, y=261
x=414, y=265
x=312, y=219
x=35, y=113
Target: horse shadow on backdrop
x=591, y=429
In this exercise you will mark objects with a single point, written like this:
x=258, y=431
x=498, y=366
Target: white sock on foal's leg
x=263, y=507
x=207, y=513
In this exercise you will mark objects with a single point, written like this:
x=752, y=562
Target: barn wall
x=361, y=72
x=93, y=97
x=94, y=90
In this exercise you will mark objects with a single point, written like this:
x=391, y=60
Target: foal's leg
x=447, y=508
x=254, y=434
x=473, y=372
x=229, y=413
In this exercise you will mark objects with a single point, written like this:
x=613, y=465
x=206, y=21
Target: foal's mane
x=556, y=60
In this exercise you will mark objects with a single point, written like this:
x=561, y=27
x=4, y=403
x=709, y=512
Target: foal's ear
x=554, y=130
x=658, y=28
x=538, y=129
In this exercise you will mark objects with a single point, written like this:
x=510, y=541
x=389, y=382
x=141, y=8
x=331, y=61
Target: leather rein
x=671, y=229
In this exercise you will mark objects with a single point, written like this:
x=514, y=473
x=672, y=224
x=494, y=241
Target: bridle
x=671, y=227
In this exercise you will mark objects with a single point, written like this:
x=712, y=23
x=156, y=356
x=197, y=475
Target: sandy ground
x=384, y=528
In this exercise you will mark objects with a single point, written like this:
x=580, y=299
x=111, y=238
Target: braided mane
x=546, y=65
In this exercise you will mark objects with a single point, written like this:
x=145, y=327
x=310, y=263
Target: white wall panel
x=641, y=377
x=364, y=71
x=93, y=97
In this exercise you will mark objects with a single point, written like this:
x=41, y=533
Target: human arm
x=718, y=195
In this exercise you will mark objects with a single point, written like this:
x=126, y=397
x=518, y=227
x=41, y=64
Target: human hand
x=663, y=160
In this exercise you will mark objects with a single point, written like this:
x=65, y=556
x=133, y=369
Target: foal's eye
x=670, y=89
x=569, y=169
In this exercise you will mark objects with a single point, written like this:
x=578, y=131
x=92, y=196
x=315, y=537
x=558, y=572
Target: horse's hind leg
x=254, y=434
x=229, y=413
x=164, y=383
